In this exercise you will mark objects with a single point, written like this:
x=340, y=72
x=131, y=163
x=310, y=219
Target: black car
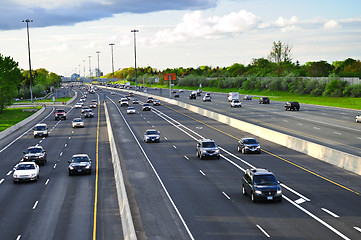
x=207, y=148
x=146, y=107
x=176, y=95
x=35, y=154
x=248, y=145
x=292, y=106
x=261, y=184
x=193, y=95
x=80, y=164
x=264, y=100
x=199, y=91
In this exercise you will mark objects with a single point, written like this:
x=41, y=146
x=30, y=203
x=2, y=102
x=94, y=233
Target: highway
x=178, y=196
x=172, y=193
x=58, y=206
x=332, y=127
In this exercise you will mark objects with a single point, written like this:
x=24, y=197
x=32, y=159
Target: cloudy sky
x=176, y=33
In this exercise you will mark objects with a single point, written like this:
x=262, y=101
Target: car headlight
x=257, y=192
x=71, y=167
x=217, y=151
x=15, y=175
x=204, y=151
x=279, y=191
x=87, y=166
x=33, y=175
x=258, y=147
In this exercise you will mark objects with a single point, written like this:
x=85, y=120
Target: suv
x=40, y=130
x=80, y=163
x=264, y=100
x=248, y=145
x=35, y=154
x=60, y=114
x=146, y=107
x=193, y=95
x=124, y=102
x=150, y=100
x=199, y=91
x=261, y=184
x=292, y=106
x=236, y=103
x=207, y=148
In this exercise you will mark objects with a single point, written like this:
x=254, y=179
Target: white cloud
x=332, y=24
x=194, y=25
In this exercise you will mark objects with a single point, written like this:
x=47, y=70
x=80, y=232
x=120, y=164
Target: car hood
x=210, y=149
x=25, y=172
x=267, y=187
x=152, y=135
x=251, y=145
x=33, y=154
x=81, y=164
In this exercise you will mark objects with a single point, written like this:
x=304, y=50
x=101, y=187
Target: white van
x=40, y=130
x=233, y=96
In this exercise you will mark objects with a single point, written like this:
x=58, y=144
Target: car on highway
x=292, y=106
x=146, y=107
x=35, y=154
x=248, y=145
x=358, y=118
x=247, y=97
x=77, y=122
x=80, y=164
x=93, y=105
x=199, y=91
x=88, y=113
x=156, y=103
x=124, y=102
x=26, y=171
x=207, y=98
x=193, y=95
x=131, y=94
x=264, y=100
x=131, y=110
x=112, y=93
x=236, y=103
x=261, y=184
x=82, y=99
x=135, y=101
x=180, y=90
x=151, y=135
x=40, y=130
x=85, y=108
x=207, y=148
x=150, y=100
x=176, y=95
x=60, y=114
x=95, y=102
x=78, y=105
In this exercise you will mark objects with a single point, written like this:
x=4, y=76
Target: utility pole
x=135, y=57
x=31, y=76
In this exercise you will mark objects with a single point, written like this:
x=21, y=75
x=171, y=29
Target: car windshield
x=151, y=132
x=265, y=180
x=208, y=144
x=145, y=105
x=77, y=120
x=34, y=150
x=130, y=108
x=39, y=128
x=250, y=141
x=236, y=101
x=79, y=159
x=60, y=111
x=88, y=111
x=25, y=167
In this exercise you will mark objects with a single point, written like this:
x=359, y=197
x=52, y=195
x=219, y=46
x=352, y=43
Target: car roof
x=80, y=155
x=247, y=138
x=23, y=163
x=260, y=171
x=151, y=129
x=41, y=124
x=36, y=146
x=77, y=119
x=206, y=140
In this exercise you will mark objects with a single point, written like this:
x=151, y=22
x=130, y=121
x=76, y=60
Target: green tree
x=281, y=53
x=10, y=76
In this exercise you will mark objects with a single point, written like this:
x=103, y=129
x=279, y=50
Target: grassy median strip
x=65, y=99
x=12, y=116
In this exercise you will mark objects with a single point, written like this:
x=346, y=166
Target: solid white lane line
x=202, y=172
x=357, y=228
x=1, y=181
x=316, y=218
x=263, y=231
x=9, y=173
x=18, y=237
x=35, y=205
x=186, y=157
x=329, y=212
x=47, y=181
x=225, y=194
x=293, y=191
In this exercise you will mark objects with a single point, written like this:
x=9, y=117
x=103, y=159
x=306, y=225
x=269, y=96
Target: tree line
x=15, y=82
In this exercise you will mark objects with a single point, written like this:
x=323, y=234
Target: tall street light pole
x=31, y=76
x=90, y=69
x=84, y=67
x=98, y=72
x=111, y=47
x=135, y=57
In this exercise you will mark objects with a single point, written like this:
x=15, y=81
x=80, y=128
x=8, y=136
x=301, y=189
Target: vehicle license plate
x=270, y=198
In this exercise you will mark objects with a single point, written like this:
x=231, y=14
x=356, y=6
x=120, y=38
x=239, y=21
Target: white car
x=112, y=93
x=236, y=103
x=40, y=130
x=131, y=110
x=26, y=171
x=180, y=90
x=78, y=122
x=358, y=118
x=78, y=105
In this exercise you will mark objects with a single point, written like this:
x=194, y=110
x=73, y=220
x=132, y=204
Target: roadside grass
x=343, y=102
x=12, y=116
x=47, y=100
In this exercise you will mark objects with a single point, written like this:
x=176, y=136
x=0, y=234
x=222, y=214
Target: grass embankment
x=47, y=100
x=12, y=116
x=344, y=102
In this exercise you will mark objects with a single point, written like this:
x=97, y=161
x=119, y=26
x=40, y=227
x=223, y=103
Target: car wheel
x=243, y=151
x=201, y=157
x=356, y=121
x=238, y=148
x=244, y=192
x=253, y=198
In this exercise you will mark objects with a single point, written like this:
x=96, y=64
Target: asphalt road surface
x=174, y=195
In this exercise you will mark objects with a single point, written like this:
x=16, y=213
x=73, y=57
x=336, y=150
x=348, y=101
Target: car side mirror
x=69, y=161
x=24, y=152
